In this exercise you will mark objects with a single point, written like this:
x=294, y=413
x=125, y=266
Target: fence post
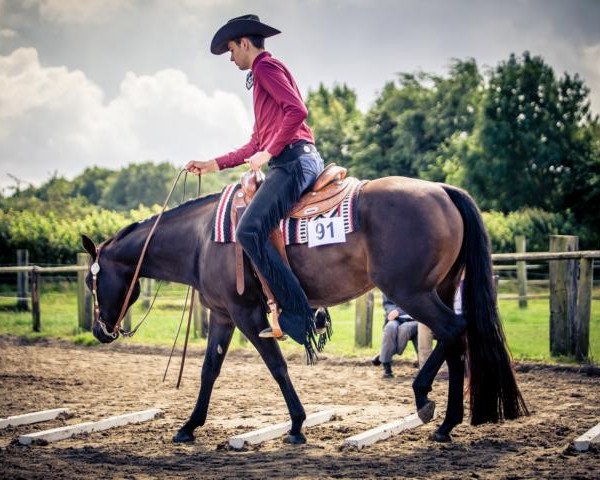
x=200, y=315
x=584, y=308
x=147, y=284
x=496, y=279
x=363, y=333
x=84, y=296
x=424, y=343
x=22, y=281
x=563, y=296
x=35, y=300
x=521, y=243
x=127, y=319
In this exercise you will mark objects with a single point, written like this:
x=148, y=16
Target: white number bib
x=323, y=231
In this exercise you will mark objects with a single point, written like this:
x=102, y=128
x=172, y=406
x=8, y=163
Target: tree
x=139, y=184
x=93, y=182
x=334, y=119
x=531, y=146
x=407, y=130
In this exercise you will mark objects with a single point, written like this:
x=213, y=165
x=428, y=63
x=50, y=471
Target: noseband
x=95, y=270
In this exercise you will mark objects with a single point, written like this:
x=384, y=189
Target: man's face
x=240, y=54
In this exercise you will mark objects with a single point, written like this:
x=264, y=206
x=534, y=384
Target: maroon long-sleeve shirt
x=279, y=112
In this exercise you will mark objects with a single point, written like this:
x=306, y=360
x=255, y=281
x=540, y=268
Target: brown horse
x=415, y=240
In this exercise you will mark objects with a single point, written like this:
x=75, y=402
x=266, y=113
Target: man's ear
x=89, y=246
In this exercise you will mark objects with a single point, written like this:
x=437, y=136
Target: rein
x=95, y=269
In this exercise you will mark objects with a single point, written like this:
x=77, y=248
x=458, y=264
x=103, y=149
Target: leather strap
x=187, y=336
x=239, y=257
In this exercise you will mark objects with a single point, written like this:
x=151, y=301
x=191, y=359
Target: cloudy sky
x=113, y=82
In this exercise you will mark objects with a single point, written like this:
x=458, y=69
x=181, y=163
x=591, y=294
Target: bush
x=536, y=225
x=53, y=235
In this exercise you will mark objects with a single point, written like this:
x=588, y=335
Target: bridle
x=95, y=270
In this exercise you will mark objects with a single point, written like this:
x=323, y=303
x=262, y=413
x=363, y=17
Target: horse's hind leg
x=455, y=406
x=271, y=354
x=424, y=380
x=446, y=325
x=219, y=337
x=456, y=373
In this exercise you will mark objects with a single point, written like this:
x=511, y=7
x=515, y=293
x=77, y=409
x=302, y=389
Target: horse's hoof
x=437, y=436
x=183, y=436
x=426, y=412
x=295, y=439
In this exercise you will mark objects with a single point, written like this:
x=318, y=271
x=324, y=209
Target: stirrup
x=269, y=333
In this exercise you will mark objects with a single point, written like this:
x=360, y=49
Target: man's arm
x=390, y=308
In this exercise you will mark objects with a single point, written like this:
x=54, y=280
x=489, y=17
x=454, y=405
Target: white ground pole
x=382, y=432
x=65, y=432
x=33, y=417
x=269, y=433
x=591, y=436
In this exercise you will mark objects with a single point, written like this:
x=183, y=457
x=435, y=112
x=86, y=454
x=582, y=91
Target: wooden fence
x=570, y=293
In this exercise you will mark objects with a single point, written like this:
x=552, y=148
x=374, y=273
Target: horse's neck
x=173, y=252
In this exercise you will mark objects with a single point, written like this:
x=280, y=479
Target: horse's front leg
x=219, y=337
x=251, y=323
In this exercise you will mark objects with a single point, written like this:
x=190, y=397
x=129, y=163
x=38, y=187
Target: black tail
x=493, y=388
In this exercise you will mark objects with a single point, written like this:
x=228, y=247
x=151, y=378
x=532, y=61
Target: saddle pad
x=294, y=230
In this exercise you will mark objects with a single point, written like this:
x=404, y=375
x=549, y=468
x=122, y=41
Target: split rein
x=95, y=270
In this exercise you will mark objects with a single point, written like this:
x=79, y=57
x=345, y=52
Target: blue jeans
x=312, y=166
x=291, y=173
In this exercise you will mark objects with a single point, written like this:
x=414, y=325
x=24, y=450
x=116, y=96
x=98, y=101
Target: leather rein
x=95, y=270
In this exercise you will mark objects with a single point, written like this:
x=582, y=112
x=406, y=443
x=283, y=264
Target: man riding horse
x=419, y=272
x=282, y=139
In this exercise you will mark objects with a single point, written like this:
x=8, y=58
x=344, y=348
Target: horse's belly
x=332, y=274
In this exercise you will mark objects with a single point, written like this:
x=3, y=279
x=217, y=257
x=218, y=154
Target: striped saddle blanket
x=294, y=230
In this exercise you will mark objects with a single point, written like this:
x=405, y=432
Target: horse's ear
x=89, y=246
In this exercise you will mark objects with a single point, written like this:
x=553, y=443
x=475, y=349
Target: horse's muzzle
x=102, y=335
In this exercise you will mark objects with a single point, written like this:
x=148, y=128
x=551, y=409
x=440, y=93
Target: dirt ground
x=108, y=380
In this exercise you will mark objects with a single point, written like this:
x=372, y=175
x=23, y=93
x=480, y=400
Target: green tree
x=529, y=135
x=334, y=118
x=139, y=184
x=93, y=182
x=408, y=130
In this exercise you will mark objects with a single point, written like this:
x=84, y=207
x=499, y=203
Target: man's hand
x=202, y=167
x=258, y=159
x=393, y=314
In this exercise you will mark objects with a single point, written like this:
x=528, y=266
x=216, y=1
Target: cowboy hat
x=238, y=27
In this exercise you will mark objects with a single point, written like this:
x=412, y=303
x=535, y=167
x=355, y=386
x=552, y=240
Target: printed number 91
x=322, y=230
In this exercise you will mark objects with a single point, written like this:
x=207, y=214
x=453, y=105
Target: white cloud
x=591, y=72
x=7, y=33
x=55, y=119
x=80, y=11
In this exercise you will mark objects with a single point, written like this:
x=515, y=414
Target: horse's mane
x=175, y=211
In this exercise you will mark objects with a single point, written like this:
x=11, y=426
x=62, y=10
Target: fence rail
x=540, y=256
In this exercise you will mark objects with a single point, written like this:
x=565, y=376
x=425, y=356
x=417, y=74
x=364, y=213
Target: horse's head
x=112, y=280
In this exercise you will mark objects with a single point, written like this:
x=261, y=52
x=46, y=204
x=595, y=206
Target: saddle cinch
x=328, y=191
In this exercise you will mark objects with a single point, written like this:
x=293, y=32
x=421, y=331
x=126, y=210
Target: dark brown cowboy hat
x=237, y=28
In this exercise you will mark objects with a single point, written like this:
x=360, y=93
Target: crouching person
x=399, y=328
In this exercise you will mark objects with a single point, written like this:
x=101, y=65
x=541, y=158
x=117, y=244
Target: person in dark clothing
x=399, y=328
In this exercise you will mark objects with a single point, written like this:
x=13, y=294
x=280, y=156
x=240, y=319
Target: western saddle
x=328, y=191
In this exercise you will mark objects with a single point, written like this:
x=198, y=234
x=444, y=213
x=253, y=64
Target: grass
x=527, y=330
